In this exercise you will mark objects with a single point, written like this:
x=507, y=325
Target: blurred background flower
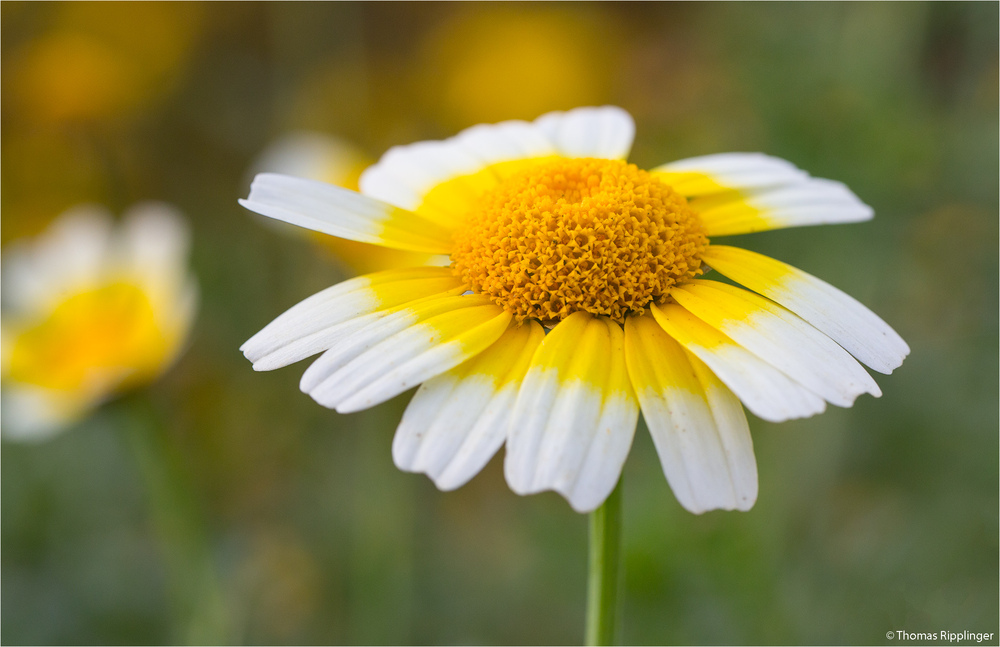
x=879, y=517
x=488, y=63
x=94, y=64
x=91, y=311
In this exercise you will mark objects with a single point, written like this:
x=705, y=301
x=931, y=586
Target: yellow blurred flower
x=103, y=59
x=326, y=158
x=89, y=311
x=495, y=62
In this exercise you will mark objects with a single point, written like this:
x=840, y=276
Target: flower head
x=574, y=299
x=91, y=310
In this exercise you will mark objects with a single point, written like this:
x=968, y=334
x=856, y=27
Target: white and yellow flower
x=91, y=310
x=549, y=231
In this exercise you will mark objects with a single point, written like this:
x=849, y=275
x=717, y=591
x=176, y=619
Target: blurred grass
x=880, y=517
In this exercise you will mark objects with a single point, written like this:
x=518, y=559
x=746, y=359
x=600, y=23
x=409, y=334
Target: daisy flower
x=90, y=310
x=575, y=298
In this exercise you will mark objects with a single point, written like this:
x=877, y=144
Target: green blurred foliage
x=225, y=506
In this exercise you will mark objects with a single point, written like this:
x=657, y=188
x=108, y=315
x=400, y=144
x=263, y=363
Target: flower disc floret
x=570, y=235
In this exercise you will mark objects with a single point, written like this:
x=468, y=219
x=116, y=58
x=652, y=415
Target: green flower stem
x=381, y=567
x=602, y=578
x=195, y=591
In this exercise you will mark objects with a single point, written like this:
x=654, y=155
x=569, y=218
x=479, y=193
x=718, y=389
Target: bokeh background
x=221, y=505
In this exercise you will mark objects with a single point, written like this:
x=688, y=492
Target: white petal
x=739, y=193
x=575, y=414
x=833, y=312
x=780, y=338
x=406, y=174
x=697, y=424
x=458, y=420
x=77, y=244
x=817, y=201
x=387, y=358
x=313, y=325
x=181, y=315
x=25, y=290
x=32, y=414
x=446, y=416
x=732, y=171
x=606, y=132
x=764, y=390
x=413, y=177
x=734, y=434
x=153, y=246
x=503, y=142
x=69, y=256
x=340, y=212
x=365, y=332
x=813, y=202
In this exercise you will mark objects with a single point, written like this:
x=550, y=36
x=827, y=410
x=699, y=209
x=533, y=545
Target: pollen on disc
x=566, y=235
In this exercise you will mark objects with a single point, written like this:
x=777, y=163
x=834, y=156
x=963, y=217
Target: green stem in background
x=602, y=576
x=197, y=597
x=380, y=573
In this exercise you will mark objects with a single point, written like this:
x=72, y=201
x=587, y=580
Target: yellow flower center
x=90, y=335
x=566, y=235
